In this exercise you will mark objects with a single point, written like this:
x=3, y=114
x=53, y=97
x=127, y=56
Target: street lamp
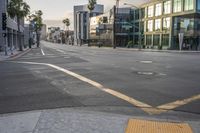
x=139, y=21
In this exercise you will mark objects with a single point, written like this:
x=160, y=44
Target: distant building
x=26, y=34
x=29, y=34
x=158, y=24
x=54, y=34
x=81, y=22
x=163, y=21
x=101, y=28
x=44, y=32
x=12, y=30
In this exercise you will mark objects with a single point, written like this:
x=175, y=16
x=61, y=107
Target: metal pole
x=114, y=26
x=140, y=35
x=12, y=42
x=5, y=44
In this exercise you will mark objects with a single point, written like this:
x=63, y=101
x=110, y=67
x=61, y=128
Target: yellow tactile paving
x=144, y=126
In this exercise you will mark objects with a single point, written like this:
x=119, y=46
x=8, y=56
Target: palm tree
x=91, y=6
x=67, y=24
x=18, y=9
x=36, y=18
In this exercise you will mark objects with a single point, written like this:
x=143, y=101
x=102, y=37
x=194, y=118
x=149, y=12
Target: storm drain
x=144, y=126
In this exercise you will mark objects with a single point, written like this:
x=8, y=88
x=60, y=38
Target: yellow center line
x=178, y=103
x=124, y=97
x=145, y=107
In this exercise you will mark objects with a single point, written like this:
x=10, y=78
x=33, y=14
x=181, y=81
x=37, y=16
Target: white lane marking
x=60, y=51
x=145, y=73
x=146, y=62
x=162, y=74
x=42, y=52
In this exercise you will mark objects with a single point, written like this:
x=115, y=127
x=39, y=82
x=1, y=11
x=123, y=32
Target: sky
x=56, y=10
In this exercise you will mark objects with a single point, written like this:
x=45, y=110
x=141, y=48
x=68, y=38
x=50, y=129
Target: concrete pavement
x=74, y=120
x=12, y=54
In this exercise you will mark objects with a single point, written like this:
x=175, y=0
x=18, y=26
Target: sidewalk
x=75, y=120
x=156, y=50
x=13, y=54
x=143, y=50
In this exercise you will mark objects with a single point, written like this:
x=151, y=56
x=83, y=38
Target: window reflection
x=167, y=7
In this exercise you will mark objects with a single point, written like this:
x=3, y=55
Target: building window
x=158, y=10
x=166, y=23
x=198, y=4
x=137, y=14
x=150, y=25
x=150, y=11
x=148, y=39
x=177, y=5
x=167, y=7
x=165, y=40
x=189, y=5
x=142, y=13
x=156, y=40
x=137, y=27
x=157, y=24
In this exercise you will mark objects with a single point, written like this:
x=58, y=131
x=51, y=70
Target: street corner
x=154, y=126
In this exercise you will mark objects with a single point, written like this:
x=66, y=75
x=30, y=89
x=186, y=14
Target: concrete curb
x=19, y=54
x=146, y=50
x=153, y=50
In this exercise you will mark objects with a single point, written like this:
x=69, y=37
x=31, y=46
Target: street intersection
x=125, y=82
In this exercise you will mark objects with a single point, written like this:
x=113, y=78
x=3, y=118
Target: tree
x=36, y=19
x=67, y=24
x=90, y=6
x=18, y=9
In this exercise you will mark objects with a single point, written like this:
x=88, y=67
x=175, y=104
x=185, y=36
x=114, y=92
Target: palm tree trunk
x=19, y=35
x=38, y=38
x=67, y=35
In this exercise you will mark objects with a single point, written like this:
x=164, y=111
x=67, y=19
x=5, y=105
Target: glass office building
x=165, y=20
x=101, y=28
x=154, y=25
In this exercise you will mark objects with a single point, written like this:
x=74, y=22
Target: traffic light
x=4, y=21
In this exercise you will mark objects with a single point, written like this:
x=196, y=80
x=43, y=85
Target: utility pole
x=114, y=26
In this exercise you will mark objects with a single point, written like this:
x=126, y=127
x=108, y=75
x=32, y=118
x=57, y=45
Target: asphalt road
x=153, y=78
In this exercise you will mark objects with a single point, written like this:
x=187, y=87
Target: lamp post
x=137, y=8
